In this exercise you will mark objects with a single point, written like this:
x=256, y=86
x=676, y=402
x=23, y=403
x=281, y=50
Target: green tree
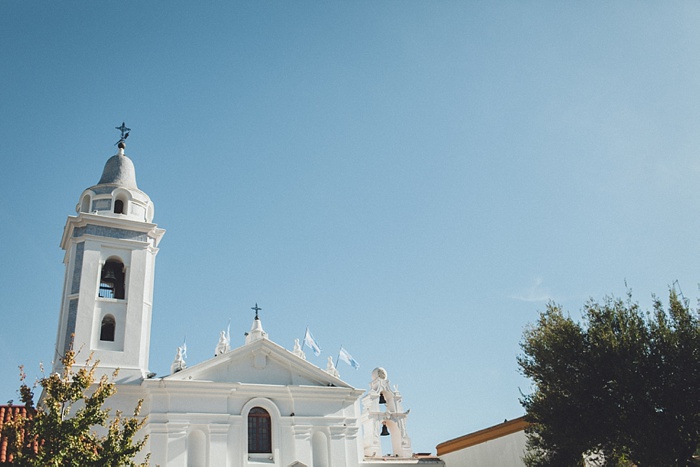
x=60, y=429
x=621, y=388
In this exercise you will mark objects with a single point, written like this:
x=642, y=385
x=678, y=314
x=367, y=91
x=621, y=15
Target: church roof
x=259, y=362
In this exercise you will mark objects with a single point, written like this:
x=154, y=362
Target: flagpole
x=337, y=360
x=303, y=339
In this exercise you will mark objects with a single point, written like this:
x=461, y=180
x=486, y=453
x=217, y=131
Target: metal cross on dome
x=256, y=308
x=125, y=131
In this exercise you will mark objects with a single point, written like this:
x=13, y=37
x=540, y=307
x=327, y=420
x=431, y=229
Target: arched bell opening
x=108, y=328
x=112, y=280
x=390, y=438
x=85, y=203
x=385, y=444
x=121, y=199
x=119, y=207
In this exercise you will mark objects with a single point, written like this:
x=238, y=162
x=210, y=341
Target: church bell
x=385, y=430
x=109, y=276
x=381, y=398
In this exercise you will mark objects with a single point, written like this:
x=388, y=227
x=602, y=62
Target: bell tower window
x=259, y=431
x=107, y=329
x=119, y=206
x=112, y=280
x=85, y=204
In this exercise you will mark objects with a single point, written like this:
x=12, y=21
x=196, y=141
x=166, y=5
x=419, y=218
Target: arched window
x=107, y=329
x=119, y=207
x=112, y=280
x=259, y=431
x=85, y=204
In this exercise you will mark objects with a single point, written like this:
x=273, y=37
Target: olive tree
x=622, y=387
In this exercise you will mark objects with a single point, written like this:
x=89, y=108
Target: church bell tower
x=111, y=247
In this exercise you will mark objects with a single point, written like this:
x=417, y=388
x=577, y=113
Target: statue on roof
x=223, y=345
x=297, y=350
x=331, y=369
x=179, y=362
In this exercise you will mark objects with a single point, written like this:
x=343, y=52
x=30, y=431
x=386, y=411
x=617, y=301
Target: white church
x=256, y=405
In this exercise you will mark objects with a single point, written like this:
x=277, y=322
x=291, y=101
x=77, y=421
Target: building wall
x=506, y=451
x=501, y=445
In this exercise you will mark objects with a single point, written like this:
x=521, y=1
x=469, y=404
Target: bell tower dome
x=111, y=247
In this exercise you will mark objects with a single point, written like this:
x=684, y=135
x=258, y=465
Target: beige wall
x=502, y=445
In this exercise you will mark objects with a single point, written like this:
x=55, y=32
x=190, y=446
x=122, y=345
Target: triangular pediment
x=259, y=362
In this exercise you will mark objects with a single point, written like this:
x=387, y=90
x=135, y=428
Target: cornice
x=85, y=219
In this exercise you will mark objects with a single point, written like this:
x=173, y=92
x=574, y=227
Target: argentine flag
x=347, y=358
x=311, y=343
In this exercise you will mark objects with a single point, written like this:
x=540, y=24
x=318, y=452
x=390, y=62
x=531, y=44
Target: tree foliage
x=621, y=388
x=60, y=429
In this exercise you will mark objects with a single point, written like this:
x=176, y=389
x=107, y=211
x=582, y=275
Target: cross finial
x=125, y=133
x=256, y=308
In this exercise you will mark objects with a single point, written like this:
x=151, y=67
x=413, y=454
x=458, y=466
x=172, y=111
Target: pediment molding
x=259, y=362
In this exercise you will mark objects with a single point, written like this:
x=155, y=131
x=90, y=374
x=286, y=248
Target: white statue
x=297, y=350
x=179, y=362
x=223, y=346
x=330, y=368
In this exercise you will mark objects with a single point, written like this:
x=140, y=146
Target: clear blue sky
x=412, y=180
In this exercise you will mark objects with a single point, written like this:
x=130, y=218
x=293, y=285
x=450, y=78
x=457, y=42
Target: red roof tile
x=8, y=413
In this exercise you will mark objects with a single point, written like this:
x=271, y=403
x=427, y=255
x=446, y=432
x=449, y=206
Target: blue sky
x=411, y=180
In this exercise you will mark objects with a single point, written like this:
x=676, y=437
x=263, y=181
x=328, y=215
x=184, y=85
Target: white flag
x=311, y=343
x=347, y=358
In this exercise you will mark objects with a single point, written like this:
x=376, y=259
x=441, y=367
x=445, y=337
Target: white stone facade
x=257, y=405
x=313, y=415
